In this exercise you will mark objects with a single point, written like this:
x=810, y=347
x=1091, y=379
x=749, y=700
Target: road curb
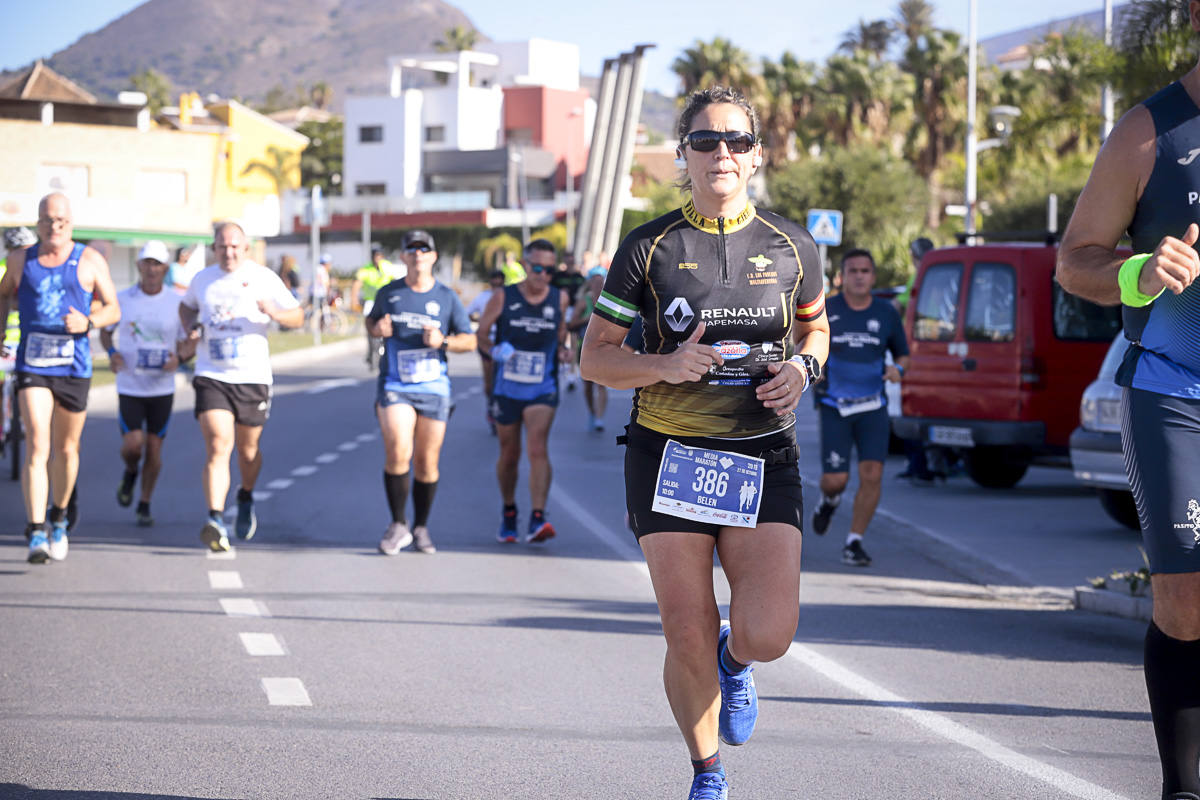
x=1115, y=604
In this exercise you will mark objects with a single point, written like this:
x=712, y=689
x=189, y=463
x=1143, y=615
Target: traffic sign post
x=825, y=226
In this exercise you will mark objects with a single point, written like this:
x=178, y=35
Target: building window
x=161, y=187
x=435, y=134
x=370, y=133
x=370, y=188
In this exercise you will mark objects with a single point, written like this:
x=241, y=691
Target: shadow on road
x=999, y=709
x=15, y=791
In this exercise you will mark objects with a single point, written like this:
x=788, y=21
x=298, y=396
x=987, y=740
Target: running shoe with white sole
x=247, y=522
x=125, y=489
x=739, y=699
x=422, y=541
x=508, y=528
x=58, y=541
x=396, y=538
x=39, y=548
x=539, y=531
x=821, y=517
x=854, y=555
x=144, y=520
x=214, y=536
x=709, y=786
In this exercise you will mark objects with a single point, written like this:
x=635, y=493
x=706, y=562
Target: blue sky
x=603, y=28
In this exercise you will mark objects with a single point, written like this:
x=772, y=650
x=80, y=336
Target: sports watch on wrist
x=811, y=367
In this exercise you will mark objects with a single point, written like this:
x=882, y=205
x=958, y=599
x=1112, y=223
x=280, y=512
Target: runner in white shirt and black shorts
x=150, y=343
x=227, y=311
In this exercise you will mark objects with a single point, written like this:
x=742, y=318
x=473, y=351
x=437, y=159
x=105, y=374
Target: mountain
x=244, y=48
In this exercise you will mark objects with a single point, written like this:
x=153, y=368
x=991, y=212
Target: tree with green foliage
x=491, y=250
x=871, y=37
x=718, y=62
x=156, y=87
x=457, y=39
x=279, y=167
x=789, y=86
x=1157, y=46
x=555, y=233
x=321, y=161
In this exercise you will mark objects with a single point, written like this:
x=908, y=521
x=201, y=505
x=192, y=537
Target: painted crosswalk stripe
x=224, y=579
x=222, y=555
x=286, y=692
x=326, y=458
x=304, y=471
x=242, y=607
x=261, y=644
x=346, y=447
x=279, y=484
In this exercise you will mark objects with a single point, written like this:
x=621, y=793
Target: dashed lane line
x=931, y=721
x=286, y=692
x=243, y=607
x=326, y=458
x=346, y=447
x=261, y=644
x=279, y=484
x=224, y=579
x=304, y=471
x=221, y=555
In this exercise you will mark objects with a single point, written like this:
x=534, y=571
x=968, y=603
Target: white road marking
x=346, y=447
x=260, y=497
x=243, y=607
x=333, y=383
x=366, y=437
x=261, y=644
x=224, y=579
x=326, y=458
x=286, y=692
x=279, y=484
x=827, y=667
x=218, y=555
x=304, y=471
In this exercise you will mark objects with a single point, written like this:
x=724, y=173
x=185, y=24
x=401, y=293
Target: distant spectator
x=290, y=275
x=188, y=261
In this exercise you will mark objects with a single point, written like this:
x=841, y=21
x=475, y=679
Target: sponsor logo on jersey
x=548, y=312
x=760, y=262
x=688, y=265
x=432, y=308
x=732, y=349
x=743, y=315
x=679, y=314
x=1190, y=157
x=873, y=325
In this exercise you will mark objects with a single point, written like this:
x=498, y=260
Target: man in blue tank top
x=530, y=334
x=1146, y=181
x=63, y=290
x=418, y=319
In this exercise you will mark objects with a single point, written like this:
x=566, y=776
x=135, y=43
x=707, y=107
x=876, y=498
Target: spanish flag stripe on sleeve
x=811, y=311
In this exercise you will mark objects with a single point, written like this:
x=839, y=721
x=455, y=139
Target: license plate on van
x=951, y=436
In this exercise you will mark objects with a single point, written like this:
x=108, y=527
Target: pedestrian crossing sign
x=825, y=225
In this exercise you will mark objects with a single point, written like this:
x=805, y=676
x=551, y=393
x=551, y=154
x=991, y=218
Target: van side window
x=990, y=299
x=937, y=303
x=1080, y=320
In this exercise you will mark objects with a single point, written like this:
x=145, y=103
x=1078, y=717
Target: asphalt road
x=310, y=666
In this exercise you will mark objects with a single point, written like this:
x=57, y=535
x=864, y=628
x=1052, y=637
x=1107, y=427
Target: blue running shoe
x=247, y=523
x=508, y=528
x=739, y=699
x=709, y=786
x=539, y=531
x=58, y=541
x=39, y=548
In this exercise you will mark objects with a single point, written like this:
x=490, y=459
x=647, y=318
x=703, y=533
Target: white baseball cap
x=156, y=250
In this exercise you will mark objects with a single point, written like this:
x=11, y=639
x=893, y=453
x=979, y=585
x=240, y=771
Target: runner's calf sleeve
x=422, y=500
x=1171, y=667
x=396, y=487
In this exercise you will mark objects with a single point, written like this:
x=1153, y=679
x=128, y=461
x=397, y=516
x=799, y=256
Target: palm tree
x=914, y=18
x=320, y=94
x=788, y=88
x=280, y=168
x=718, y=62
x=873, y=37
x=457, y=39
x=1157, y=47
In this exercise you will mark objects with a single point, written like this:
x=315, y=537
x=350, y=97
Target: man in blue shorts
x=418, y=319
x=530, y=338
x=851, y=401
x=1144, y=183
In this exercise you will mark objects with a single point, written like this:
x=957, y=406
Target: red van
x=1000, y=356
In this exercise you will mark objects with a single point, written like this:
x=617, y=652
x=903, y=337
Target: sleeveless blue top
x=44, y=297
x=1165, y=356
x=532, y=370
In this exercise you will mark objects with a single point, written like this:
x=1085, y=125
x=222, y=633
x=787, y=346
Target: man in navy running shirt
x=418, y=319
x=851, y=401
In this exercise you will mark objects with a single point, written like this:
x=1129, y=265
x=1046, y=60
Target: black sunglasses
x=707, y=141
x=418, y=248
x=537, y=268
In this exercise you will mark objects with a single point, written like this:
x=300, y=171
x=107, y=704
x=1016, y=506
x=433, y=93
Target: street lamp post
x=518, y=158
x=574, y=112
x=972, y=144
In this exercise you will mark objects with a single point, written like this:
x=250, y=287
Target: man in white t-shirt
x=227, y=311
x=149, y=346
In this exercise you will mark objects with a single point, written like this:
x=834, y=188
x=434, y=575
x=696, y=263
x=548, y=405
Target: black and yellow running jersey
x=747, y=277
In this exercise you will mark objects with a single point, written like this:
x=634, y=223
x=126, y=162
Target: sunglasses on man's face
x=706, y=141
x=537, y=269
x=418, y=248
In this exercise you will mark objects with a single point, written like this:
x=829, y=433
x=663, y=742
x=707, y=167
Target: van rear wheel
x=997, y=467
x=1120, y=505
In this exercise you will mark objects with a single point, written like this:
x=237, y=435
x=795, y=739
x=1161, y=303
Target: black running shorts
x=250, y=403
x=781, y=501
x=152, y=412
x=1160, y=436
x=70, y=393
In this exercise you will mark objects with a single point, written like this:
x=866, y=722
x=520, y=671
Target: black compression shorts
x=152, y=412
